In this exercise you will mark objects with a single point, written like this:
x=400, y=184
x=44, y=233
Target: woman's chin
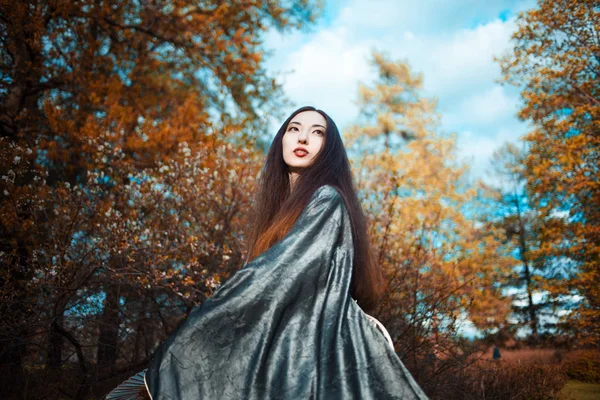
x=296, y=165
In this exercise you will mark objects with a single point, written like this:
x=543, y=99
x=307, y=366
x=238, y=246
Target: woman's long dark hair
x=277, y=209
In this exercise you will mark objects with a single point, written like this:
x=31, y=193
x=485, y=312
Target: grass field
x=575, y=390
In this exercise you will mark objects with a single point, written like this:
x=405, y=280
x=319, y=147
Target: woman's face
x=303, y=139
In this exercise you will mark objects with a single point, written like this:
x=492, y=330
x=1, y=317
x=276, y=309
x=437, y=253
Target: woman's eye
x=319, y=132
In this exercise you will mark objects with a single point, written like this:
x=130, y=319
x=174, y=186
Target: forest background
x=132, y=134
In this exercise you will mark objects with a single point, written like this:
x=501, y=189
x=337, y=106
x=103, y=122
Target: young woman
x=290, y=324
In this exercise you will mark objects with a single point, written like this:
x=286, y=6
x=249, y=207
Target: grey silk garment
x=285, y=327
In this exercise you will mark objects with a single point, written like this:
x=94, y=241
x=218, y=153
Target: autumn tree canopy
x=556, y=63
x=442, y=266
x=121, y=202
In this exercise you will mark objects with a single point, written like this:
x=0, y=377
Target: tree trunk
x=109, y=329
x=55, y=342
x=533, y=323
x=14, y=328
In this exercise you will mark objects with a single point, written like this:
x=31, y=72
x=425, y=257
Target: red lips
x=300, y=152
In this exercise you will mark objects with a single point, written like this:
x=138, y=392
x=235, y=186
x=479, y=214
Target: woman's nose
x=303, y=138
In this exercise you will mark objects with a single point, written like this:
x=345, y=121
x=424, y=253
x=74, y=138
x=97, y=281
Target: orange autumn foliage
x=442, y=264
x=122, y=194
x=556, y=62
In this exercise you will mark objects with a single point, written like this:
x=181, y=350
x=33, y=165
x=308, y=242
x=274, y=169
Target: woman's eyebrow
x=295, y=122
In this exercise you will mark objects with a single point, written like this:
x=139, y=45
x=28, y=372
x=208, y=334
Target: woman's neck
x=293, y=176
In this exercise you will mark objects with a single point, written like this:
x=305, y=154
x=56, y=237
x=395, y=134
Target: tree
x=97, y=99
x=521, y=223
x=110, y=281
x=517, y=221
x=556, y=62
x=441, y=265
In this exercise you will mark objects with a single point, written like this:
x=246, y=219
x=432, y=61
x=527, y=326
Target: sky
x=451, y=42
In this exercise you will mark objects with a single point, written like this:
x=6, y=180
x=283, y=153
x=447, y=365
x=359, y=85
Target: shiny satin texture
x=285, y=327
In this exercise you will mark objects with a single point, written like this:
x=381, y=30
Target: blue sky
x=452, y=42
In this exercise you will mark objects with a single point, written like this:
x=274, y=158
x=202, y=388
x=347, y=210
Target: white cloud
x=279, y=45
x=477, y=148
x=424, y=16
x=453, y=64
x=452, y=43
x=482, y=109
x=326, y=72
x=383, y=14
x=408, y=35
x=466, y=61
